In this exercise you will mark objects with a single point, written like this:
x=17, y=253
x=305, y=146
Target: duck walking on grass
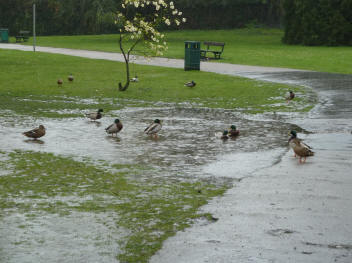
x=299, y=147
x=95, y=115
x=290, y=96
x=114, y=128
x=59, y=82
x=35, y=133
x=153, y=128
x=233, y=132
x=70, y=78
x=135, y=79
x=190, y=84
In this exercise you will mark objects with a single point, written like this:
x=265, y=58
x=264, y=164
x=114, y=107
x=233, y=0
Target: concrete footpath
x=288, y=212
x=221, y=68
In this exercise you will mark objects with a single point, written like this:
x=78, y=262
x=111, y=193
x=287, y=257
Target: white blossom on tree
x=139, y=22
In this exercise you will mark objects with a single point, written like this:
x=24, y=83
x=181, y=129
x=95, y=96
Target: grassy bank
x=37, y=184
x=261, y=47
x=28, y=86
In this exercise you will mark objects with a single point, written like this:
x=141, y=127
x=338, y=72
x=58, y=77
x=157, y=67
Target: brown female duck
x=35, y=133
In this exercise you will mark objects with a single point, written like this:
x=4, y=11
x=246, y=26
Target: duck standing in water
x=224, y=136
x=153, y=128
x=233, y=132
x=290, y=96
x=190, y=84
x=35, y=133
x=95, y=115
x=299, y=147
x=116, y=127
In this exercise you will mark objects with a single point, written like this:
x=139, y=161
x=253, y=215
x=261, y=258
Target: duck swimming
x=224, y=136
x=35, y=133
x=233, y=132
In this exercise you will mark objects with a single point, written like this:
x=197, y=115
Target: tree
x=139, y=23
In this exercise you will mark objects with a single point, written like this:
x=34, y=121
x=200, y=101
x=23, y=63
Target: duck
x=135, y=79
x=95, y=115
x=70, y=78
x=116, y=127
x=233, y=131
x=59, y=82
x=290, y=96
x=35, y=133
x=224, y=135
x=153, y=128
x=190, y=84
x=299, y=147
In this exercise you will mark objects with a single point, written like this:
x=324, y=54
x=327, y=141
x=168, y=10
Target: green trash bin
x=4, y=35
x=192, y=55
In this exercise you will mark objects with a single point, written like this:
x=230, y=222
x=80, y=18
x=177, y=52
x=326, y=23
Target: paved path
x=221, y=68
x=285, y=213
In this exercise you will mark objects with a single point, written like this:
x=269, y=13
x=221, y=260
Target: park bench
x=217, y=53
x=23, y=35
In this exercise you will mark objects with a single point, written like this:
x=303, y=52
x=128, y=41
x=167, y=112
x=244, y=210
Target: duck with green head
x=224, y=135
x=299, y=147
x=114, y=128
x=233, y=132
x=153, y=128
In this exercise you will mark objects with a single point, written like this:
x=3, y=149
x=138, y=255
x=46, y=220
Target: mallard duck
x=116, y=127
x=224, y=135
x=135, y=79
x=70, y=78
x=35, y=133
x=190, y=84
x=153, y=128
x=290, y=96
x=233, y=131
x=95, y=115
x=59, y=82
x=299, y=147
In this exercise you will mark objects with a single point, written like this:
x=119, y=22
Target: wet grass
x=28, y=87
x=149, y=209
x=254, y=46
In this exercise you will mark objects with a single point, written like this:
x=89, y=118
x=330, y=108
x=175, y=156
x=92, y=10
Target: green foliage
x=67, y=17
x=318, y=22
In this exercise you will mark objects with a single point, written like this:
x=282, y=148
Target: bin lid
x=192, y=42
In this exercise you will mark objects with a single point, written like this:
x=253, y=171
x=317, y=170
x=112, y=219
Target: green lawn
x=243, y=46
x=34, y=75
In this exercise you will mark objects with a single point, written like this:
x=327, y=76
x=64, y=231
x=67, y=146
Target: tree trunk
x=127, y=58
x=123, y=88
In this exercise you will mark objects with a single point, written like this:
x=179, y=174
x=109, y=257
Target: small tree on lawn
x=139, y=23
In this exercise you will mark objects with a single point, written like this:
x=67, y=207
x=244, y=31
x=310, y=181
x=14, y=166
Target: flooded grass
x=148, y=209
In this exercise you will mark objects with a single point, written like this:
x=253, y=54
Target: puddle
x=188, y=139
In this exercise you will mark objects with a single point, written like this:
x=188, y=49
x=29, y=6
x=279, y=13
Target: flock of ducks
x=300, y=149
x=112, y=129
